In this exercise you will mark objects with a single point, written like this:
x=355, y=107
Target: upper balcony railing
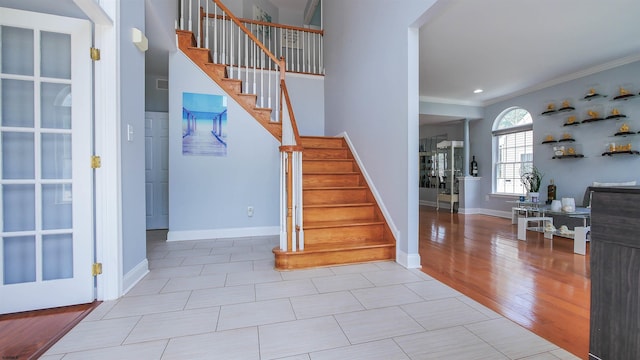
x=301, y=47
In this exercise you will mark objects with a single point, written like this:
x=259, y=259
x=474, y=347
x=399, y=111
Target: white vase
x=534, y=197
x=556, y=205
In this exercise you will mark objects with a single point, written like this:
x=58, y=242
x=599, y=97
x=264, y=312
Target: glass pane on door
x=55, y=52
x=17, y=50
x=19, y=259
x=18, y=207
x=18, y=158
x=17, y=102
x=57, y=255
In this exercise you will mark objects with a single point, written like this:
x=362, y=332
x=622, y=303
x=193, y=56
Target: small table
x=580, y=235
x=523, y=226
x=525, y=207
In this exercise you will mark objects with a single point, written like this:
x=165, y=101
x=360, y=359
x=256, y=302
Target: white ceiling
x=506, y=47
x=511, y=47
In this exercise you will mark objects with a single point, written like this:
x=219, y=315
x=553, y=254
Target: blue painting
x=204, y=124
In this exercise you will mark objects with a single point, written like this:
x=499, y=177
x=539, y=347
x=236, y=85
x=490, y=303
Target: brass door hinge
x=96, y=162
x=94, y=53
x=96, y=269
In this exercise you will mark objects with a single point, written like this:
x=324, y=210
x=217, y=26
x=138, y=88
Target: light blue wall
x=371, y=93
x=212, y=193
x=155, y=99
x=132, y=100
x=307, y=99
x=571, y=176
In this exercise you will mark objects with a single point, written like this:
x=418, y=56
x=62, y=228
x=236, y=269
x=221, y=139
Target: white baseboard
x=471, y=211
x=428, y=203
x=410, y=261
x=134, y=275
x=222, y=233
x=498, y=213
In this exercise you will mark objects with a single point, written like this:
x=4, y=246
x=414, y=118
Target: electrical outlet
x=250, y=211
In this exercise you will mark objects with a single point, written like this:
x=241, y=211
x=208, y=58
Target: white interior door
x=157, y=169
x=46, y=212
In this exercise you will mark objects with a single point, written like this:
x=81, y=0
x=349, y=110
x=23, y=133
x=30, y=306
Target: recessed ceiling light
x=477, y=91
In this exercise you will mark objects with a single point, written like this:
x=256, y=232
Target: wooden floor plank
x=28, y=335
x=539, y=283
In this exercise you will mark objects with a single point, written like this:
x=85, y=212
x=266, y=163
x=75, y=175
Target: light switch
x=129, y=132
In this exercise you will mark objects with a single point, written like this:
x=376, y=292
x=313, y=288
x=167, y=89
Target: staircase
x=218, y=73
x=342, y=221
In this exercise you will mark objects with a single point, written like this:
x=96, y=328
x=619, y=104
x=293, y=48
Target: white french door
x=46, y=191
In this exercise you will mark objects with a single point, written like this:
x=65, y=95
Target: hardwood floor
x=28, y=335
x=539, y=283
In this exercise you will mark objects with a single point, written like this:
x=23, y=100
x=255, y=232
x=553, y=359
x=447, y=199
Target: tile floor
x=221, y=299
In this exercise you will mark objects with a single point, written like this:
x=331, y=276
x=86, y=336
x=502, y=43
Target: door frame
x=107, y=142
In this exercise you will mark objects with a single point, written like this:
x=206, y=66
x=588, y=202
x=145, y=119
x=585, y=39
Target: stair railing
x=231, y=43
x=291, y=231
x=302, y=47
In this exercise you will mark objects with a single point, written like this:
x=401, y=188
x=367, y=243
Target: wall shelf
x=628, y=152
x=573, y=156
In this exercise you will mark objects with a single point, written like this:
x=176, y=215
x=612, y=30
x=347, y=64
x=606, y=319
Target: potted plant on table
x=532, y=179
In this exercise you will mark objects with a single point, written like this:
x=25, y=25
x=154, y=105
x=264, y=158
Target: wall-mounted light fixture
x=139, y=40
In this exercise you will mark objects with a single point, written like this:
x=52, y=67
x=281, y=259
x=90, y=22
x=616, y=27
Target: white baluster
x=181, y=14
x=206, y=37
x=255, y=70
x=269, y=87
x=231, y=42
x=215, y=34
x=246, y=61
x=262, y=78
x=190, y=5
x=298, y=52
x=199, y=35
x=315, y=69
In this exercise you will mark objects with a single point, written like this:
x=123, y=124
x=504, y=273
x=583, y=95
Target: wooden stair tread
x=339, y=223
x=319, y=188
x=338, y=205
x=349, y=245
x=331, y=173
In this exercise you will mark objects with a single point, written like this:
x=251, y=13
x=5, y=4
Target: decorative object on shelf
x=556, y=205
x=623, y=94
x=568, y=204
x=558, y=150
x=549, y=139
x=532, y=179
x=566, y=106
x=566, y=137
x=624, y=130
x=551, y=108
x=571, y=120
x=592, y=94
x=615, y=114
x=593, y=115
x=474, y=166
x=551, y=192
x=571, y=152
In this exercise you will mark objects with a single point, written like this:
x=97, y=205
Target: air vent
x=162, y=84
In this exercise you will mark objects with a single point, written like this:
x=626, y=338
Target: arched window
x=513, y=149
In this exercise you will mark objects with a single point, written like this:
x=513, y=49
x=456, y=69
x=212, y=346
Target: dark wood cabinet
x=615, y=274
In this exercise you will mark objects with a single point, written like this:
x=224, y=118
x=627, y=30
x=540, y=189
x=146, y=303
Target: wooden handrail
x=264, y=23
x=294, y=125
x=246, y=31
